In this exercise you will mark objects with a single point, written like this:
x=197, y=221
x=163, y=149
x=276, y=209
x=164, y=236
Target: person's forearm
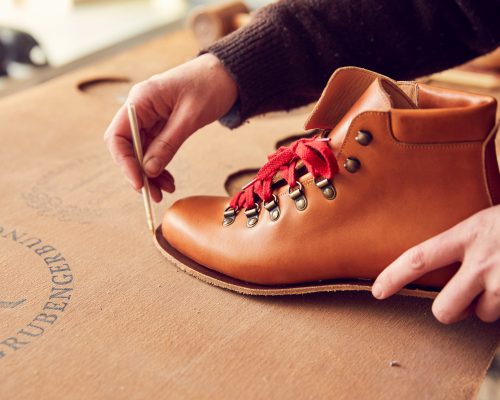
x=284, y=58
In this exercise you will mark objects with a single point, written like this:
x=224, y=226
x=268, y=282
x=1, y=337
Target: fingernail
x=152, y=167
x=377, y=290
x=171, y=187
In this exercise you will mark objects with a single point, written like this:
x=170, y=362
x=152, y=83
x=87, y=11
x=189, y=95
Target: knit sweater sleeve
x=284, y=57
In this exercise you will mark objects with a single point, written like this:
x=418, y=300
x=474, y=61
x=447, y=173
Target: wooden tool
x=210, y=23
x=136, y=138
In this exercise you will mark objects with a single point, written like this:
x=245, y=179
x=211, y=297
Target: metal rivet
x=301, y=203
x=251, y=222
x=252, y=215
x=326, y=187
x=364, y=138
x=298, y=197
x=273, y=208
x=229, y=216
x=352, y=164
x=274, y=214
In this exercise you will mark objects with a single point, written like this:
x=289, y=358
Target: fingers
x=118, y=136
x=122, y=152
x=155, y=192
x=118, y=139
x=437, y=252
x=164, y=182
x=164, y=146
x=476, y=285
x=123, y=155
x=119, y=124
x=488, y=304
x=453, y=302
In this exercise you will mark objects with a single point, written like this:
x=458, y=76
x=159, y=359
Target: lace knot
x=316, y=155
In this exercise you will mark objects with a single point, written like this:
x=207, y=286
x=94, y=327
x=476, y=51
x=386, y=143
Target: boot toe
x=193, y=226
x=190, y=225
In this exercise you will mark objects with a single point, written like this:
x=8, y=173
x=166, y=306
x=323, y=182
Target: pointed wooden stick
x=136, y=138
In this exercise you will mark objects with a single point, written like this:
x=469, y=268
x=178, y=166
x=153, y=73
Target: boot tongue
x=381, y=95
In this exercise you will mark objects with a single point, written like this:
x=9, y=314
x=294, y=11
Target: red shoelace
x=316, y=155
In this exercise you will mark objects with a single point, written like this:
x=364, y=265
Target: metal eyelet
x=252, y=215
x=352, y=164
x=364, y=138
x=273, y=208
x=326, y=187
x=298, y=196
x=229, y=216
x=325, y=133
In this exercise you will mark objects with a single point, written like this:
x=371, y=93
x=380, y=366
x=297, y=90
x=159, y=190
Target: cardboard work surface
x=90, y=309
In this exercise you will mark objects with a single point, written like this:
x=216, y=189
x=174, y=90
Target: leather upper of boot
x=411, y=163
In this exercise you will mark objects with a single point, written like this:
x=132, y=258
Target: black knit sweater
x=284, y=58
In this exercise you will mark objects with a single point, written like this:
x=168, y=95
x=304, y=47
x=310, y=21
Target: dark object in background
x=3, y=66
x=19, y=47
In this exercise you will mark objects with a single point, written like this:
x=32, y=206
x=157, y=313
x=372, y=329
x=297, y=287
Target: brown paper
x=90, y=309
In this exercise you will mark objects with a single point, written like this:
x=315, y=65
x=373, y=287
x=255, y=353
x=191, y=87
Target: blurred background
x=40, y=39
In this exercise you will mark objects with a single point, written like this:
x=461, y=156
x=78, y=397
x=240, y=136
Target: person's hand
x=476, y=285
x=170, y=107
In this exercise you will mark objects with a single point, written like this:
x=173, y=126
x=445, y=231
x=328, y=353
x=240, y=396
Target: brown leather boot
x=394, y=163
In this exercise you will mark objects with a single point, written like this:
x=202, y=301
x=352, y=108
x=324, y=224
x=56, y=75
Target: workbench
x=91, y=309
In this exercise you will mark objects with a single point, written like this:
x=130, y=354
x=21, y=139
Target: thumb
x=164, y=146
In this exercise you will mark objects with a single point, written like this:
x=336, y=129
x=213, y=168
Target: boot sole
x=215, y=278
